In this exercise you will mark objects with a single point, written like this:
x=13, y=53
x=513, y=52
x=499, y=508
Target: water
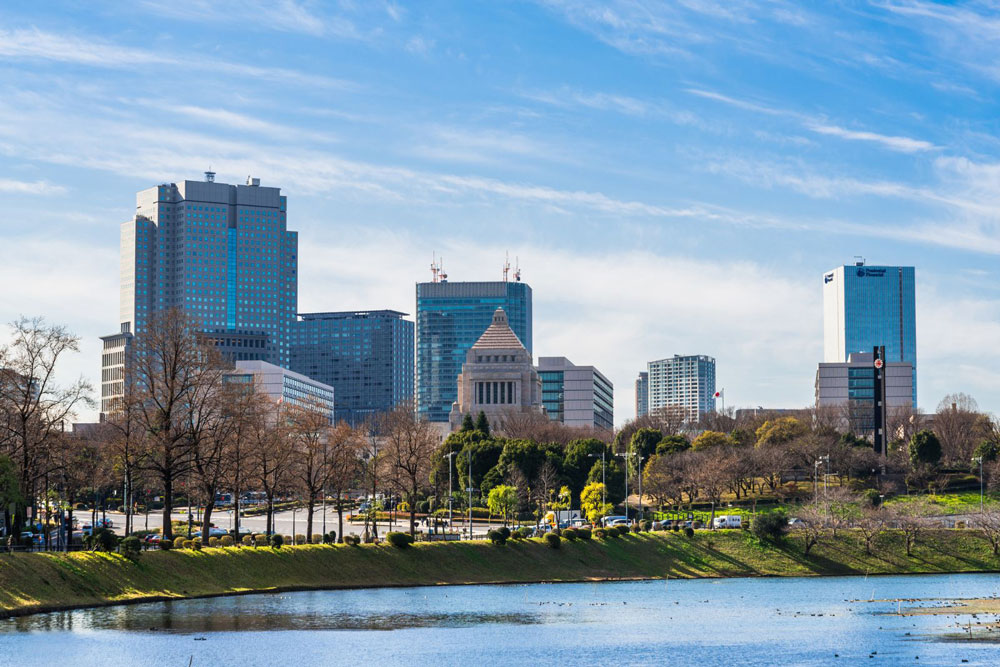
x=794, y=621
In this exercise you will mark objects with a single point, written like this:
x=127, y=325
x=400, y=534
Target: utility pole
x=982, y=504
x=450, y=496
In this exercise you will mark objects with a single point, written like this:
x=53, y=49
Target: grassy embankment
x=37, y=582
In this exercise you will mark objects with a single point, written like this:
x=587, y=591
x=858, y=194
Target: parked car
x=795, y=522
x=615, y=521
x=728, y=521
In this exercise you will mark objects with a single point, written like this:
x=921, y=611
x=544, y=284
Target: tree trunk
x=236, y=518
x=310, y=505
x=206, y=517
x=340, y=520
x=69, y=527
x=270, y=514
x=413, y=510
x=168, y=490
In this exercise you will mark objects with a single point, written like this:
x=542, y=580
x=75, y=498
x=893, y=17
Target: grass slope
x=39, y=582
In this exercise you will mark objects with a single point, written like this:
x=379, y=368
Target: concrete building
x=451, y=316
x=115, y=351
x=850, y=385
x=684, y=381
x=222, y=254
x=285, y=386
x=497, y=377
x=576, y=395
x=868, y=306
x=366, y=356
x=642, y=394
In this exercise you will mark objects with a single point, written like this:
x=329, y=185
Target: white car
x=728, y=521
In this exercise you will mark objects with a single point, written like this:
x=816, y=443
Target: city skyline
x=671, y=179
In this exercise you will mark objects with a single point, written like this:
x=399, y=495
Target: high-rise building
x=642, y=394
x=850, y=385
x=869, y=306
x=576, y=395
x=451, y=316
x=497, y=377
x=221, y=254
x=284, y=386
x=683, y=381
x=366, y=356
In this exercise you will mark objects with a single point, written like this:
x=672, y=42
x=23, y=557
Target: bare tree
x=871, y=524
x=345, y=469
x=812, y=527
x=33, y=406
x=213, y=424
x=309, y=428
x=988, y=522
x=409, y=445
x=546, y=484
x=960, y=427
x=911, y=520
x=271, y=456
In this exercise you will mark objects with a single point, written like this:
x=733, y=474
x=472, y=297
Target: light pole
x=450, y=497
x=979, y=460
x=641, y=513
x=469, y=489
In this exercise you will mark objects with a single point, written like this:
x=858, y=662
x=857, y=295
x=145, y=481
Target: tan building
x=497, y=377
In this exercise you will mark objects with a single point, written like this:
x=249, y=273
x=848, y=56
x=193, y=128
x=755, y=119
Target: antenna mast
x=517, y=269
x=506, y=265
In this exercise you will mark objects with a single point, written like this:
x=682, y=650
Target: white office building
x=682, y=381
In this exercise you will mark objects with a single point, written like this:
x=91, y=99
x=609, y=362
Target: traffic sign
x=879, y=363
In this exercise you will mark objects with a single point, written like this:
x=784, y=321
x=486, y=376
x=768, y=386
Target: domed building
x=497, y=377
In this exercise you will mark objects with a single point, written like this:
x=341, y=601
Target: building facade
x=869, y=306
x=451, y=316
x=366, y=356
x=221, y=254
x=284, y=386
x=497, y=377
x=578, y=396
x=642, y=394
x=684, y=381
x=850, y=386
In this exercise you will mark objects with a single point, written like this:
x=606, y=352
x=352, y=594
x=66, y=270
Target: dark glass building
x=366, y=356
x=450, y=319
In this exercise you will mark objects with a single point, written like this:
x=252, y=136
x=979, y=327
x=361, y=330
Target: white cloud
x=30, y=187
x=901, y=144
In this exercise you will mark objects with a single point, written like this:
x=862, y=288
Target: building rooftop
x=499, y=335
x=347, y=314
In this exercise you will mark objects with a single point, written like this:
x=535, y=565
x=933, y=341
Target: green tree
x=467, y=423
x=580, y=457
x=644, y=442
x=526, y=455
x=563, y=499
x=988, y=450
x=779, y=431
x=502, y=501
x=592, y=502
x=483, y=424
x=614, y=478
x=743, y=437
x=672, y=444
x=709, y=440
x=925, y=448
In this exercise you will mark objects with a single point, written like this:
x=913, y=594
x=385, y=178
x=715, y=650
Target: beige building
x=497, y=377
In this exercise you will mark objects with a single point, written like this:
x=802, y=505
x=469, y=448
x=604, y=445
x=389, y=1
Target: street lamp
x=603, y=479
x=469, y=489
x=979, y=460
x=450, y=497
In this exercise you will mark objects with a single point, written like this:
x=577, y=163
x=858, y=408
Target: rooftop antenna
x=435, y=269
x=517, y=269
x=859, y=260
x=210, y=175
x=506, y=265
x=444, y=276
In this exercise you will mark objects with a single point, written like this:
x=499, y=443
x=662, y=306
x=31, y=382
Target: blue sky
x=671, y=177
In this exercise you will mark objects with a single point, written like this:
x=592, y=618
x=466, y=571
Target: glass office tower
x=451, y=316
x=366, y=356
x=867, y=306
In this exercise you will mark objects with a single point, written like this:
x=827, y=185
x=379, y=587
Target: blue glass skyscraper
x=451, y=316
x=366, y=356
x=865, y=306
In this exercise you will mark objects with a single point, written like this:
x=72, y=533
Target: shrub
x=675, y=527
x=770, y=526
x=697, y=523
x=600, y=533
x=261, y=540
x=556, y=531
x=635, y=528
x=226, y=541
x=316, y=539
x=583, y=533
x=188, y=544
x=505, y=530
x=646, y=525
x=524, y=532
x=870, y=497
x=496, y=537
x=247, y=540
x=552, y=540
x=399, y=540
x=198, y=542
x=131, y=546
x=179, y=542
x=213, y=542
x=353, y=540
x=165, y=545
x=569, y=534
x=103, y=539
x=616, y=531
x=330, y=538
x=423, y=507
x=689, y=531
x=277, y=541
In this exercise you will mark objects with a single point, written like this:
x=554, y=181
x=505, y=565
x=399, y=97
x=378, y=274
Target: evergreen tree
x=467, y=424
x=483, y=424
